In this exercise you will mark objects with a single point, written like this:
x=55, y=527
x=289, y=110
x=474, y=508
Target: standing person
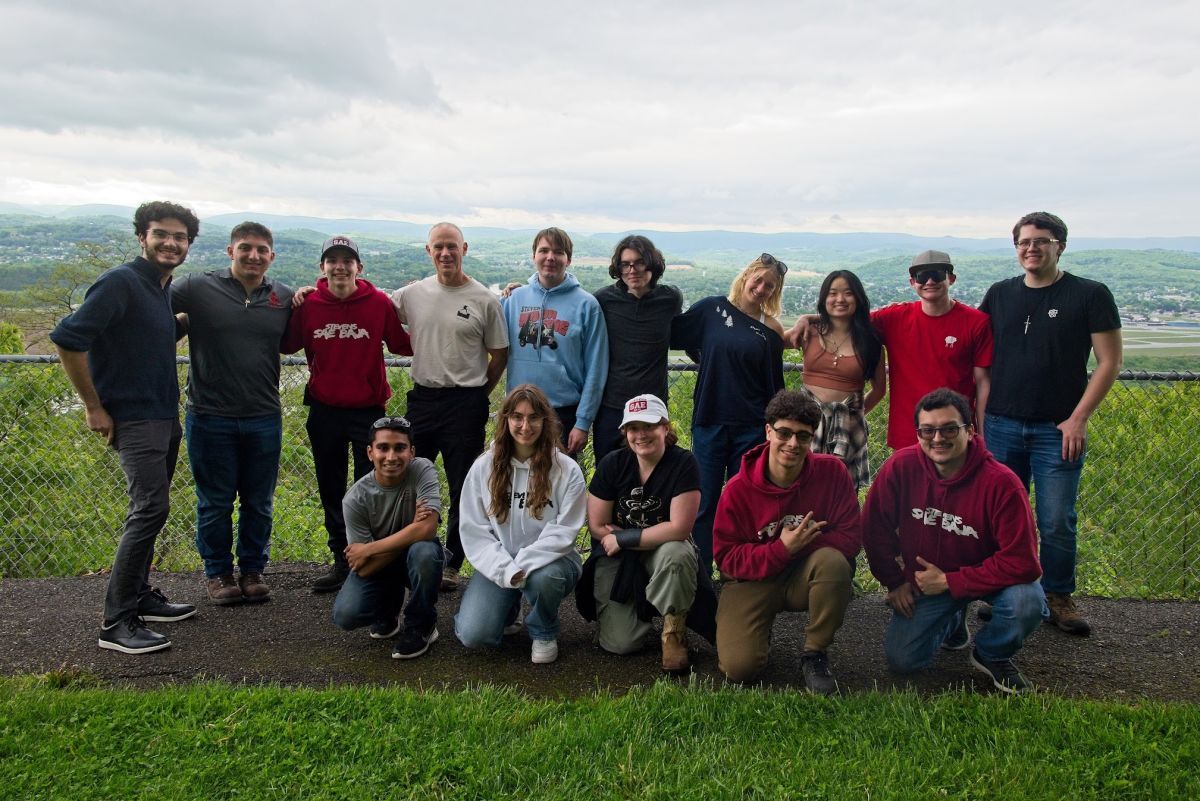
x=637, y=316
x=945, y=524
x=342, y=329
x=118, y=350
x=738, y=343
x=559, y=340
x=838, y=361
x=460, y=347
x=1046, y=323
x=524, y=503
x=786, y=536
x=235, y=321
x=642, y=505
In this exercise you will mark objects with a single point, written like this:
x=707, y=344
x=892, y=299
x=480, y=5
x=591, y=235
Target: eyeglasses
x=394, y=423
x=925, y=276
x=787, y=434
x=947, y=432
x=771, y=261
x=1040, y=242
x=633, y=266
x=523, y=419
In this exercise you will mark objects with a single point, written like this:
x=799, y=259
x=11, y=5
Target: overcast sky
x=922, y=117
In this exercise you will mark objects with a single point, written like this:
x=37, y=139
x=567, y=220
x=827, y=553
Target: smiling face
x=551, y=262
x=647, y=440
x=788, y=443
x=929, y=290
x=250, y=256
x=165, y=243
x=341, y=268
x=840, y=302
x=525, y=427
x=760, y=286
x=446, y=250
x=948, y=454
x=1039, y=260
x=390, y=452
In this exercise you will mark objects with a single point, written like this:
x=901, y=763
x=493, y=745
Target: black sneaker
x=130, y=636
x=385, y=629
x=983, y=611
x=1002, y=672
x=959, y=636
x=155, y=608
x=814, y=665
x=413, y=643
x=333, y=579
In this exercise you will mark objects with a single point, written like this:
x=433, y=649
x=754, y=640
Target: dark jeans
x=606, y=432
x=332, y=430
x=148, y=450
x=450, y=422
x=718, y=450
x=363, y=601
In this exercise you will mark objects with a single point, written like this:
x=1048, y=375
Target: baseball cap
x=644, y=409
x=339, y=242
x=930, y=258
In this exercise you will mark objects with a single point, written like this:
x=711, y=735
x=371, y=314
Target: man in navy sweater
x=118, y=349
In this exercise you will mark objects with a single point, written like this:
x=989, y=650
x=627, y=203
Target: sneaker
x=130, y=636
x=449, y=580
x=814, y=665
x=333, y=579
x=385, y=629
x=544, y=652
x=1003, y=673
x=1065, y=615
x=224, y=590
x=413, y=643
x=155, y=608
x=959, y=636
x=518, y=624
x=254, y=589
x=983, y=611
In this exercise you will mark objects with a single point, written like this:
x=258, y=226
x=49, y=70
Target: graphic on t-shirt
x=464, y=312
x=539, y=327
x=944, y=520
x=519, y=498
x=639, y=510
x=341, y=331
x=950, y=341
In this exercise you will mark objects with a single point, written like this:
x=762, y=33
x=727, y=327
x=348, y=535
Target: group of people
x=769, y=490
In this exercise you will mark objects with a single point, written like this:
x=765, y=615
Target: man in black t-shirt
x=1045, y=324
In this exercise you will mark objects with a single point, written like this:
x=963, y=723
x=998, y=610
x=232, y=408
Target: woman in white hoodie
x=523, y=504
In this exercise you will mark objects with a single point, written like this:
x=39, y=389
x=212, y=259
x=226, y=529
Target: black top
x=639, y=330
x=1039, y=370
x=640, y=506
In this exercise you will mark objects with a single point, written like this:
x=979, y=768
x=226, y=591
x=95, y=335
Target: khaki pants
x=672, y=587
x=820, y=584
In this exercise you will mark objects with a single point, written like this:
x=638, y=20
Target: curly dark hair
x=791, y=404
x=653, y=257
x=165, y=210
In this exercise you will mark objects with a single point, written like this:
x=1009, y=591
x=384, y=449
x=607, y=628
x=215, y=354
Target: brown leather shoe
x=254, y=589
x=1065, y=615
x=224, y=590
x=674, y=644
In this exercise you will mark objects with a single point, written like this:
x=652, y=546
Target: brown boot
x=1065, y=615
x=254, y=589
x=674, y=644
x=224, y=590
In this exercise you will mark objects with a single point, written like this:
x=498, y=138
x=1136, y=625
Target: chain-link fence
x=62, y=498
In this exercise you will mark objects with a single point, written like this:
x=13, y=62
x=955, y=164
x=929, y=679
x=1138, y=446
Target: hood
x=362, y=289
x=569, y=283
x=754, y=468
x=977, y=456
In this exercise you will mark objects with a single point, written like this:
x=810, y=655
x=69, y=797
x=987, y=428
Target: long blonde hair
x=773, y=305
x=540, y=464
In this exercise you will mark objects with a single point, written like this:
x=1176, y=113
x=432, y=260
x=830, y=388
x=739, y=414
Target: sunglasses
x=771, y=261
x=393, y=423
x=925, y=276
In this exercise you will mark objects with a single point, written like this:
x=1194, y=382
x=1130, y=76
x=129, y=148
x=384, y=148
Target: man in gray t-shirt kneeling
x=392, y=517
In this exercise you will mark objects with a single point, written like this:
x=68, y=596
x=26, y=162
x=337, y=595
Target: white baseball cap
x=644, y=409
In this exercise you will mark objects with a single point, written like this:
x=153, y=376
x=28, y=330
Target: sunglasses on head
x=393, y=423
x=771, y=261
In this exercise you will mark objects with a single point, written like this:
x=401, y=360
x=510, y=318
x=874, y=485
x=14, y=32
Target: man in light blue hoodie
x=557, y=338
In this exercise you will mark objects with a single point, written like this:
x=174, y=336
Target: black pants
x=333, y=431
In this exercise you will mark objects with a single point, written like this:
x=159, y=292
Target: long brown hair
x=540, y=464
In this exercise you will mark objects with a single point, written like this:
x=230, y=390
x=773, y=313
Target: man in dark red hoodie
x=946, y=524
x=785, y=537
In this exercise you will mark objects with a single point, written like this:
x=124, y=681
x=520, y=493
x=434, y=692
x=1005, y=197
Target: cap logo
x=637, y=405
x=339, y=240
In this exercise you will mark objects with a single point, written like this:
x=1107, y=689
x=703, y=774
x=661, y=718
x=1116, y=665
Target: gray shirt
x=373, y=511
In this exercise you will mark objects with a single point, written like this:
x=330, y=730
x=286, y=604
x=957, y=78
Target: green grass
x=214, y=742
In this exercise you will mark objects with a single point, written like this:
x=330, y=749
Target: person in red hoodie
x=342, y=327
x=785, y=538
x=946, y=524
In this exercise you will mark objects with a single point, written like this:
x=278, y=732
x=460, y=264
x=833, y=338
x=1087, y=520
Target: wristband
x=628, y=537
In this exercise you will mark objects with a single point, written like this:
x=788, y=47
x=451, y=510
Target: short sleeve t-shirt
x=373, y=511
x=638, y=505
x=451, y=328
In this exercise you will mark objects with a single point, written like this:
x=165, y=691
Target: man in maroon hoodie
x=946, y=524
x=342, y=327
x=785, y=537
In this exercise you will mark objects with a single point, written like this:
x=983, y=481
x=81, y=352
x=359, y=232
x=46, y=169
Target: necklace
x=1040, y=301
x=835, y=352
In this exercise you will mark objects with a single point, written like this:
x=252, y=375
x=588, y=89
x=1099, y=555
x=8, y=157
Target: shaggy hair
x=504, y=448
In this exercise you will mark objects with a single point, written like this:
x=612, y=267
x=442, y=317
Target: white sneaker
x=544, y=652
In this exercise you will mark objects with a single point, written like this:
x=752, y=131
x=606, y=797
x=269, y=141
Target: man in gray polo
x=235, y=319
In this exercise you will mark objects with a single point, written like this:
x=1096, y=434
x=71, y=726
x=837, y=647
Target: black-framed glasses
x=392, y=423
x=771, y=261
x=633, y=266
x=787, y=435
x=1040, y=242
x=925, y=276
x=947, y=431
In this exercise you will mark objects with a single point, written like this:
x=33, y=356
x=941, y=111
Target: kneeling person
x=785, y=537
x=946, y=524
x=391, y=526
x=642, y=505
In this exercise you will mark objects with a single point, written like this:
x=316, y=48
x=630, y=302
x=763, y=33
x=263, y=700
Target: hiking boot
x=333, y=579
x=1003, y=673
x=959, y=636
x=385, y=629
x=674, y=644
x=449, y=580
x=814, y=665
x=254, y=589
x=224, y=590
x=544, y=652
x=156, y=608
x=1065, y=615
x=413, y=643
x=130, y=636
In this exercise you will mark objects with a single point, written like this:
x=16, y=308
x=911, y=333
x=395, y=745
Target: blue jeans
x=234, y=457
x=718, y=450
x=911, y=642
x=1033, y=450
x=487, y=608
x=363, y=601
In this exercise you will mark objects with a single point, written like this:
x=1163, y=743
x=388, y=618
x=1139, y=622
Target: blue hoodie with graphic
x=557, y=341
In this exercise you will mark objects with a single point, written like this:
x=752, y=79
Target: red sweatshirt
x=342, y=340
x=977, y=526
x=753, y=512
